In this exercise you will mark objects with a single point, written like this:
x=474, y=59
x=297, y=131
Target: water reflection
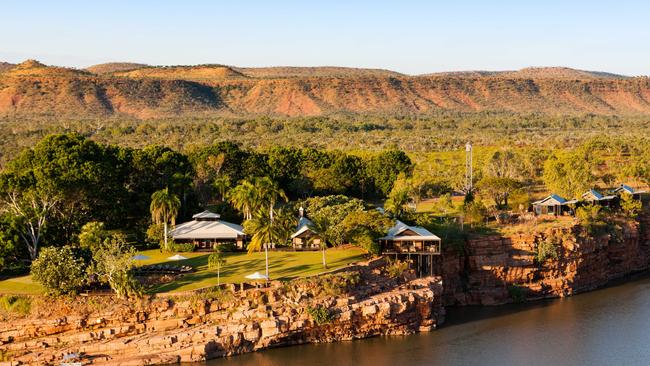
x=605, y=327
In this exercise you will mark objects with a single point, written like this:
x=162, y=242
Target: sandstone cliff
x=170, y=330
x=496, y=269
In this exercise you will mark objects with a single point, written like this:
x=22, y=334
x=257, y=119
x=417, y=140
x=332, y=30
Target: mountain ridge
x=141, y=91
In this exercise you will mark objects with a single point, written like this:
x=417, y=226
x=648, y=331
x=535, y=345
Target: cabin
x=554, y=205
x=415, y=245
x=305, y=238
x=207, y=231
x=625, y=189
x=592, y=196
x=403, y=238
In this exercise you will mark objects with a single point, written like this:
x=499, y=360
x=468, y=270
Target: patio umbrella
x=176, y=257
x=140, y=257
x=257, y=276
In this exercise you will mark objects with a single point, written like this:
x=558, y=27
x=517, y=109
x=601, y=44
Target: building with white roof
x=305, y=238
x=403, y=238
x=207, y=230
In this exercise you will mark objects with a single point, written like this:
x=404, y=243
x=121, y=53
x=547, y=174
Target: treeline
x=50, y=191
x=443, y=131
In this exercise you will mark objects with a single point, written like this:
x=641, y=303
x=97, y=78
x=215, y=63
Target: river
x=610, y=326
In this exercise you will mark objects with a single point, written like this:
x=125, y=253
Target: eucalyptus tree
x=216, y=260
x=164, y=208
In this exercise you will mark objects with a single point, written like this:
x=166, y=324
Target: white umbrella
x=257, y=276
x=140, y=257
x=176, y=257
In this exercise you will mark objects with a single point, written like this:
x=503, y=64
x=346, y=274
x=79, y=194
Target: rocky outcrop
x=501, y=269
x=335, y=307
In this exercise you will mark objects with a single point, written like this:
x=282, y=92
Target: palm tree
x=268, y=192
x=244, y=198
x=216, y=261
x=264, y=232
x=320, y=228
x=221, y=184
x=164, y=208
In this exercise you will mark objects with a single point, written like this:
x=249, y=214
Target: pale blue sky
x=407, y=36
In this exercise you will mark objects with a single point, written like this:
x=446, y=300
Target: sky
x=412, y=37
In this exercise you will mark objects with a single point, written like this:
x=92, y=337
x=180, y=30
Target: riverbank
x=361, y=301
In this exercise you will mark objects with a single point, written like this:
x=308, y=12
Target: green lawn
x=282, y=265
x=20, y=286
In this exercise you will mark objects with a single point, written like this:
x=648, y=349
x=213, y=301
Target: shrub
x=20, y=305
x=155, y=235
x=396, y=268
x=545, y=250
x=181, y=247
x=591, y=218
x=92, y=235
x=114, y=263
x=319, y=315
x=517, y=293
x=59, y=270
x=630, y=206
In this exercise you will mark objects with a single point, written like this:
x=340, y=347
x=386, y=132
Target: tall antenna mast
x=469, y=174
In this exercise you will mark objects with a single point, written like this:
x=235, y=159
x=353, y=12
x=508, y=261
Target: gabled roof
x=552, y=200
x=627, y=189
x=212, y=229
x=593, y=194
x=206, y=215
x=304, y=224
x=421, y=233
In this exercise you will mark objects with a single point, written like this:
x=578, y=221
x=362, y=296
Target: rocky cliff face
x=59, y=93
x=168, y=330
x=496, y=270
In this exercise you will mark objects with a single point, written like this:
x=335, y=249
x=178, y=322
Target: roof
x=626, y=188
x=400, y=227
x=304, y=224
x=593, y=193
x=206, y=215
x=213, y=229
x=552, y=200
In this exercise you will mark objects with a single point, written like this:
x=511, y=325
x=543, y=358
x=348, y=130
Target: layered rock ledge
x=358, y=303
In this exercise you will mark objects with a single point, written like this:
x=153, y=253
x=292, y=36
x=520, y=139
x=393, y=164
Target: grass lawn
x=282, y=265
x=20, y=286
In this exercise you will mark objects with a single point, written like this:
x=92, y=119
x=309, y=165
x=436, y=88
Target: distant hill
x=5, y=66
x=110, y=67
x=535, y=73
x=33, y=89
x=35, y=68
x=320, y=71
x=199, y=72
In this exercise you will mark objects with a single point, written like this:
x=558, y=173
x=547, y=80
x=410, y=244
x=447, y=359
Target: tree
x=59, y=270
x=164, y=208
x=113, y=264
x=216, y=260
x=568, y=175
x=498, y=189
x=505, y=164
x=92, y=235
x=268, y=193
x=222, y=185
x=386, y=166
x=264, y=233
x=629, y=205
x=32, y=210
x=397, y=200
x=591, y=218
x=363, y=228
x=244, y=198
